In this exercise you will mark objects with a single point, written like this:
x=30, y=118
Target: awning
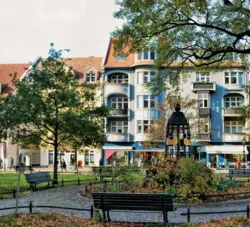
x=118, y=147
x=109, y=153
x=226, y=149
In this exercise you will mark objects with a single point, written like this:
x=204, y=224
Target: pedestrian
x=11, y=162
x=63, y=165
x=1, y=161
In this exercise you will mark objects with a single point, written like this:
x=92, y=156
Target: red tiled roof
x=112, y=62
x=6, y=70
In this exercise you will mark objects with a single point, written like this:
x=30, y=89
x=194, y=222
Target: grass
x=8, y=182
x=56, y=220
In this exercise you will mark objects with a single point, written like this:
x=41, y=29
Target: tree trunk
x=55, y=179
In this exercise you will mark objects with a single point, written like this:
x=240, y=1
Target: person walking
x=11, y=162
x=63, y=165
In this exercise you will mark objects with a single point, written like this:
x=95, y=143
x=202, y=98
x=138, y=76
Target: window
x=119, y=103
x=90, y=77
x=143, y=126
x=89, y=157
x=203, y=77
x=118, y=78
x=233, y=101
x=145, y=101
x=145, y=77
x=203, y=100
x=121, y=57
x=233, y=127
x=234, y=78
x=119, y=127
x=146, y=55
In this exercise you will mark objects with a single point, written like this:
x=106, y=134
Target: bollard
x=30, y=207
x=248, y=212
x=188, y=215
x=91, y=211
x=14, y=193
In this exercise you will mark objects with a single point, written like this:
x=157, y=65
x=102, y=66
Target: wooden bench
x=106, y=201
x=232, y=173
x=36, y=178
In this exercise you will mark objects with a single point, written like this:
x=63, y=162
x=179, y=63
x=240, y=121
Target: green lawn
x=8, y=182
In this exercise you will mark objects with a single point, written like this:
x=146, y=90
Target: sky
x=29, y=26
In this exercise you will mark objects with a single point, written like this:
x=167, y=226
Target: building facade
x=133, y=106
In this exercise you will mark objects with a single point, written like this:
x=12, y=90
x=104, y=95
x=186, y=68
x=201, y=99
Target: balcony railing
x=233, y=137
x=117, y=137
x=204, y=112
x=204, y=137
x=118, y=88
x=203, y=86
x=232, y=111
x=119, y=112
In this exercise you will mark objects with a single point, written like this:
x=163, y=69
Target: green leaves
x=52, y=109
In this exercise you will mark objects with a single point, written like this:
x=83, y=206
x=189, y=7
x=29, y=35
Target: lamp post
x=177, y=134
x=243, y=143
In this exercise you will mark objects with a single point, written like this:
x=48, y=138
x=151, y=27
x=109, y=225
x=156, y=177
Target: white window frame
x=238, y=101
x=118, y=78
x=90, y=76
x=233, y=126
x=238, y=75
x=203, y=98
x=142, y=126
x=119, y=127
x=142, y=75
x=145, y=101
x=146, y=55
x=91, y=157
x=119, y=102
x=203, y=77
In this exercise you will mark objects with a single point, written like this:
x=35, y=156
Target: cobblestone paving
x=70, y=197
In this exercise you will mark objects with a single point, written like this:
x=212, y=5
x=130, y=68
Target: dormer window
x=121, y=57
x=146, y=55
x=90, y=77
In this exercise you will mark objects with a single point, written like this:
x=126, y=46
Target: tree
x=157, y=130
x=201, y=32
x=51, y=108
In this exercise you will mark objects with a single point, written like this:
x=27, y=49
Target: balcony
x=146, y=113
x=206, y=137
x=119, y=113
x=117, y=137
x=233, y=137
x=232, y=112
x=119, y=88
x=200, y=86
x=204, y=112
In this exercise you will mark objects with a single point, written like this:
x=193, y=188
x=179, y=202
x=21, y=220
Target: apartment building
x=7, y=149
x=218, y=94
x=87, y=70
x=133, y=106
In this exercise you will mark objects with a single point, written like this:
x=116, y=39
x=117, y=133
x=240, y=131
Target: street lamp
x=243, y=143
x=177, y=134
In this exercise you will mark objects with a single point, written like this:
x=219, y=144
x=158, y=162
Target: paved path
x=70, y=197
